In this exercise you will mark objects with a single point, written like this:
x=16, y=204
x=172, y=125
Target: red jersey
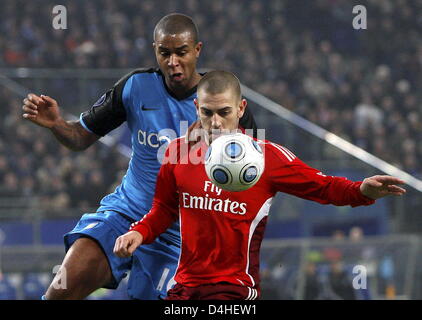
x=221, y=231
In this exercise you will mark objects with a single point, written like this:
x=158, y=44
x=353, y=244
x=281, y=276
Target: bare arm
x=44, y=111
x=72, y=135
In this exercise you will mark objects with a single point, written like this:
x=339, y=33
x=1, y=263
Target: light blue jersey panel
x=154, y=118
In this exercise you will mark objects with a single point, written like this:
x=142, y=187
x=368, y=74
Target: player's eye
x=224, y=113
x=207, y=113
x=164, y=53
x=181, y=53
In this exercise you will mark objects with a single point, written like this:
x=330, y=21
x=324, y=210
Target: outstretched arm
x=380, y=186
x=44, y=111
x=290, y=175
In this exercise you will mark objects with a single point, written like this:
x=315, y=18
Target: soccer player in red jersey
x=222, y=231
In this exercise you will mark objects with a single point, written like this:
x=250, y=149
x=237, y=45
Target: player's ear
x=198, y=48
x=195, y=101
x=242, y=106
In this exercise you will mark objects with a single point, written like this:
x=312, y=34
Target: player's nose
x=173, y=61
x=216, y=122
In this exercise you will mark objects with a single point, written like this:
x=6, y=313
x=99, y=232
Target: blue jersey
x=155, y=117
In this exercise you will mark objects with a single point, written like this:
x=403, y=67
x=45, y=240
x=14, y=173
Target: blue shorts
x=151, y=266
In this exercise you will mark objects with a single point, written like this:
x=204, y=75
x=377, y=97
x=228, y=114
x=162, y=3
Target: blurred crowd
x=346, y=266
x=364, y=85
x=34, y=165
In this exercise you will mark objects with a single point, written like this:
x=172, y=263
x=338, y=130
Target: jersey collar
x=185, y=96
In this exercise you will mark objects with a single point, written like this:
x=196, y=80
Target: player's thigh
x=152, y=272
x=103, y=229
x=84, y=269
x=85, y=263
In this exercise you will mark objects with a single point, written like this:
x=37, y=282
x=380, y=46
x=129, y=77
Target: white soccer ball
x=234, y=162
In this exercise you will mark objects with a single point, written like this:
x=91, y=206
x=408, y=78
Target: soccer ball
x=234, y=162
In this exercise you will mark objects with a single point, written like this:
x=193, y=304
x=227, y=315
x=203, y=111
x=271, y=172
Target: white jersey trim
x=252, y=295
x=181, y=242
x=262, y=213
x=287, y=153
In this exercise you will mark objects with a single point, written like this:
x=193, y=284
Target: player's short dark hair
x=176, y=23
x=219, y=81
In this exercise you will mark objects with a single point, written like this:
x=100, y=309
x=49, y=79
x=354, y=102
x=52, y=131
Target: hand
x=126, y=244
x=41, y=110
x=380, y=186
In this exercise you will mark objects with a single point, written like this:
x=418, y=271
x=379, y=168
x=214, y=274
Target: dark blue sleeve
x=108, y=112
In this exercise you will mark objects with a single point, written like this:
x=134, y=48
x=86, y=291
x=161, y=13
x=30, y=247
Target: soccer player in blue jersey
x=150, y=100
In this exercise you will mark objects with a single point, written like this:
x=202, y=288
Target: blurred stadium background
x=304, y=56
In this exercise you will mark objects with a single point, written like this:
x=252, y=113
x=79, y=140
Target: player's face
x=176, y=56
x=219, y=113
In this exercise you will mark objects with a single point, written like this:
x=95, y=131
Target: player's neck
x=183, y=92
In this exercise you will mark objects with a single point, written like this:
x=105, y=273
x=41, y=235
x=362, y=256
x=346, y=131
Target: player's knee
x=69, y=281
x=84, y=269
x=87, y=262
x=76, y=282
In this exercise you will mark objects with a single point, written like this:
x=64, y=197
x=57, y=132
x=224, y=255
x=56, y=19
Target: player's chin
x=178, y=80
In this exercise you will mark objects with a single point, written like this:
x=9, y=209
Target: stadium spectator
x=340, y=283
x=269, y=287
x=356, y=234
x=11, y=185
x=313, y=287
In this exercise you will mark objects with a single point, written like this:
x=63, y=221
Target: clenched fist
x=126, y=244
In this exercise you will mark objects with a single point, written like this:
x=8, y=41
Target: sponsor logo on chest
x=210, y=203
